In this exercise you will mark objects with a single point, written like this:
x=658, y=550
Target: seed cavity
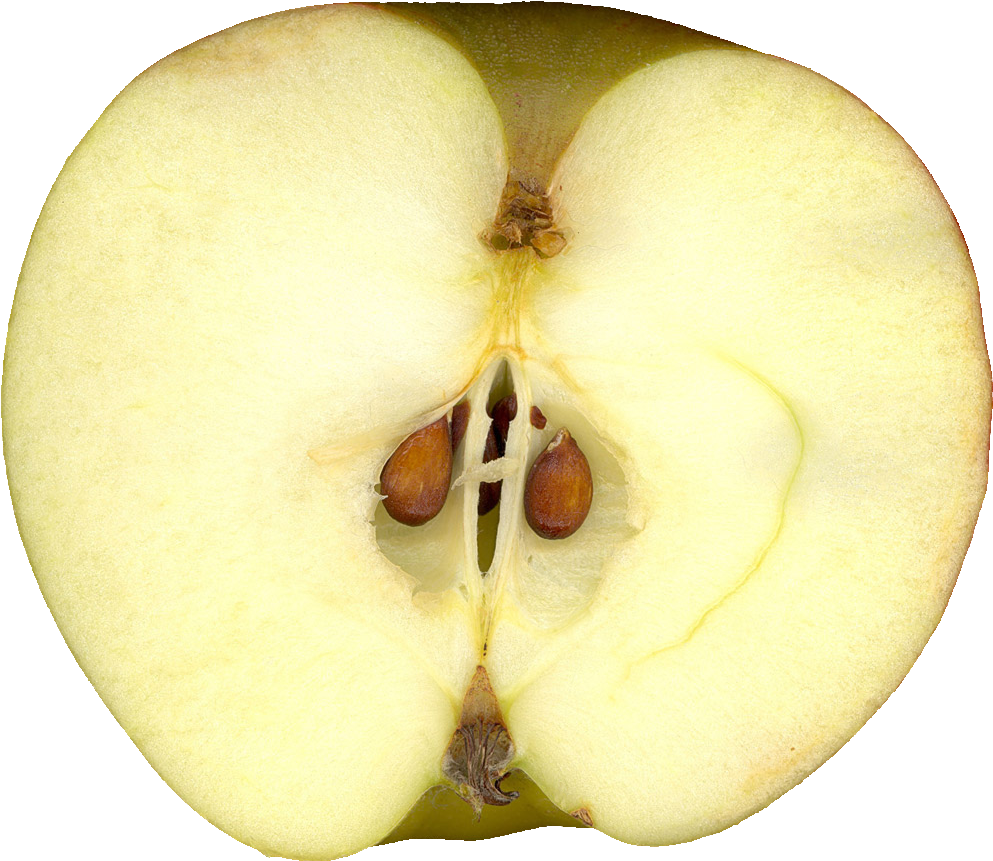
x=416, y=478
x=559, y=489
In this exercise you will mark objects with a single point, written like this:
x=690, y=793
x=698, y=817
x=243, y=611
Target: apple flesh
x=761, y=326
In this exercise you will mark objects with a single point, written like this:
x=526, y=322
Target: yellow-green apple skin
x=266, y=265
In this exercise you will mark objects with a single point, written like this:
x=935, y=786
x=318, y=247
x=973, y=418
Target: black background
x=907, y=778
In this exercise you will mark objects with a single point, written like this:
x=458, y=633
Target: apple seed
x=460, y=421
x=489, y=491
x=415, y=479
x=503, y=413
x=559, y=489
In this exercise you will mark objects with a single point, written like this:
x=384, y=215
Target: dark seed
x=415, y=479
x=559, y=489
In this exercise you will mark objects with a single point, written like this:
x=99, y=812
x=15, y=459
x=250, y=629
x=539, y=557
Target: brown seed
x=559, y=489
x=416, y=477
x=538, y=419
x=503, y=413
x=460, y=421
x=489, y=491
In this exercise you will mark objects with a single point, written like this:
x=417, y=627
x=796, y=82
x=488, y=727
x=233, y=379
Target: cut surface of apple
x=715, y=278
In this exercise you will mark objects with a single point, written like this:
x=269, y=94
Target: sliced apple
x=286, y=256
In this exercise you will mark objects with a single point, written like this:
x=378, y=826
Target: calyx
x=481, y=750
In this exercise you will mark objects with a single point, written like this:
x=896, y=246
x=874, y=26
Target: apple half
x=287, y=248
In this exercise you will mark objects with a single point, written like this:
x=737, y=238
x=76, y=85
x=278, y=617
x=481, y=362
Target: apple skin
x=103, y=794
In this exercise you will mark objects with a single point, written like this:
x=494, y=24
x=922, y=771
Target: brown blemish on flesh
x=583, y=815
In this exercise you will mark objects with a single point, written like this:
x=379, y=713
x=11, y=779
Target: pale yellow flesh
x=261, y=270
x=197, y=312
x=805, y=410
